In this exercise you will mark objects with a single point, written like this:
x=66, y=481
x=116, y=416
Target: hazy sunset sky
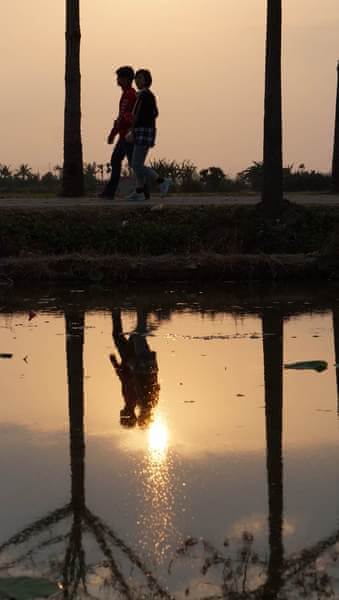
x=207, y=59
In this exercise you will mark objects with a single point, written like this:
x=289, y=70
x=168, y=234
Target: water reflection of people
x=137, y=371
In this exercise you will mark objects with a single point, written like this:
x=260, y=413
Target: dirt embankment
x=152, y=244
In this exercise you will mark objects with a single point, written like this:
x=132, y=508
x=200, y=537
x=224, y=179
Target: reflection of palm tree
x=273, y=365
x=74, y=566
x=272, y=194
x=137, y=371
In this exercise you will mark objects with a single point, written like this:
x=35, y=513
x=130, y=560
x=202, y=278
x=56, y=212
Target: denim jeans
x=144, y=175
x=121, y=150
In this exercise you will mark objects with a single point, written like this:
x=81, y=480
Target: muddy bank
x=202, y=243
x=195, y=267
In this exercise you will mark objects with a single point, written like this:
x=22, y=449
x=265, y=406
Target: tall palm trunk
x=335, y=164
x=273, y=365
x=73, y=179
x=272, y=194
x=336, y=348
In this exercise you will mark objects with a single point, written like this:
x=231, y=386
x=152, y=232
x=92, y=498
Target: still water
x=154, y=446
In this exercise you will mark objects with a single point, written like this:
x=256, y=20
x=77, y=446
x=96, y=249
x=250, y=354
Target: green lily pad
x=315, y=365
x=26, y=588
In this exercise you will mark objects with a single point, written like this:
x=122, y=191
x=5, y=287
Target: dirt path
x=187, y=200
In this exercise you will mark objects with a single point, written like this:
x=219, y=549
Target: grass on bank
x=147, y=232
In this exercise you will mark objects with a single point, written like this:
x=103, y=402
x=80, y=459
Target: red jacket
x=124, y=121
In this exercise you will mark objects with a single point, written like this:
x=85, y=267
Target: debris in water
x=5, y=355
x=26, y=588
x=315, y=365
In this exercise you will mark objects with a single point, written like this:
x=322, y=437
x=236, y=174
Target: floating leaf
x=27, y=588
x=315, y=365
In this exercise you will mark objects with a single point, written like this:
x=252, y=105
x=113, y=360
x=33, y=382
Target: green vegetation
x=144, y=231
x=185, y=176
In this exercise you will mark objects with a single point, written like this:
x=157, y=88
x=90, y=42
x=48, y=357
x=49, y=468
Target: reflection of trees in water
x=75, y=571
x=272, y=327
x=311, y=573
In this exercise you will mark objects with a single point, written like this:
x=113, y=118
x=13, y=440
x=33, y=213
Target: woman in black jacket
x=143, y=134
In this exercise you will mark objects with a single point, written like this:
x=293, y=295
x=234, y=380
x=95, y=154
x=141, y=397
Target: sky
x=207, y=61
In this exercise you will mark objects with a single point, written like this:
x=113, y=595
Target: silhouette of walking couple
x=135, y=128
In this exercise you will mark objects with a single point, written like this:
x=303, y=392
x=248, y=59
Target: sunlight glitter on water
x=158, y=439
x=158, y=488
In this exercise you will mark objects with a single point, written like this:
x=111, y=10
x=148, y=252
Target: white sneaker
x=136, y=196
x=165, y=186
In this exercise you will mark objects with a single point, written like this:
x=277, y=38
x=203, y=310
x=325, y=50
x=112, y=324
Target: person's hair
x=127, y=72
x=146, y=75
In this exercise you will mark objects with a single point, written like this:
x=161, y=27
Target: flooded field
x=154, y=444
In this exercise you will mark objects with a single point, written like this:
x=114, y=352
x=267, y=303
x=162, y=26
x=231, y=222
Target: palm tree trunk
x=272, y=194
x=336, y=348
x=73, y=179
x=273, y=365
x=335, y=164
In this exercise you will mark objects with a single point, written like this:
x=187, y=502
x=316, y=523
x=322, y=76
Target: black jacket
x=145, y=110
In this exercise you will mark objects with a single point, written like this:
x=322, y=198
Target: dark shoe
x=136, y=196
x=147, y=192
x=105, y=195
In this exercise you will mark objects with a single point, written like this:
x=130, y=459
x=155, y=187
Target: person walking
x=142, y=135
x=123, y=148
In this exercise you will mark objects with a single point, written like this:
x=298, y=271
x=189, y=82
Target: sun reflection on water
x=158, y=439
x=158, y=484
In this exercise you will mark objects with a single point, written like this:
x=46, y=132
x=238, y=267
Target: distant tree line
x=186, y=177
